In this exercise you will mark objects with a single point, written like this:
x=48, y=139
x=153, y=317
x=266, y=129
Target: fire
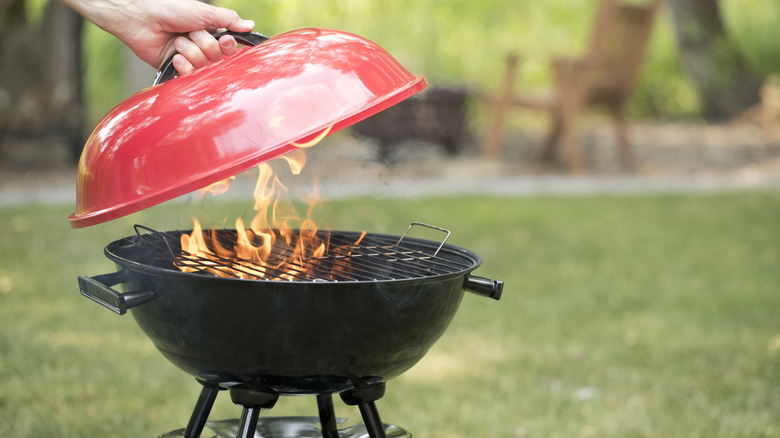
x=316, y=140
x=217, y=188
x=277, y=244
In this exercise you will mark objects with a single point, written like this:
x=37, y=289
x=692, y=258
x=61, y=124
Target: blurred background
x=641, y=300
x=706, y=63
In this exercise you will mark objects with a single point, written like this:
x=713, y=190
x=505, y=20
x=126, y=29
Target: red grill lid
x=189, y=132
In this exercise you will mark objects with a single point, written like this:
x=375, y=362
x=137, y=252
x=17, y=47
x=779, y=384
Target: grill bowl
x=294, y=337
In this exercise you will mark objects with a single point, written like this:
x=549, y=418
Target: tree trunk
x=41, y=105
x=724, y=83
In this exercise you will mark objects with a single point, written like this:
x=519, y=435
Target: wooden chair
x=606, y=75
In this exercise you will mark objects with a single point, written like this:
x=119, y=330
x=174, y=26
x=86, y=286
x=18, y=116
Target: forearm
x=113, y=16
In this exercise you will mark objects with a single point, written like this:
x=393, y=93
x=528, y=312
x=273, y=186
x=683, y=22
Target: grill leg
x=202, y=409
x=248, y=425
x=371, y=419
x=327, y=416
x=253, y=401
x=364, y=397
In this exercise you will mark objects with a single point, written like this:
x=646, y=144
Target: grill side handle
x=485, y=287
x=98, y=289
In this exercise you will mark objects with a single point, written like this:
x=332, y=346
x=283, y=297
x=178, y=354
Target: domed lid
x=266, y=100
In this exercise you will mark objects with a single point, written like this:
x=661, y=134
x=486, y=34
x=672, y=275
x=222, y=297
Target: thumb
x=225, y=18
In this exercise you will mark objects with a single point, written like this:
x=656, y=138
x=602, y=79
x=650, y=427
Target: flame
x=194, y=243
x=316, y=140
x=217, y=188
x=277, y=244
x=296, y=160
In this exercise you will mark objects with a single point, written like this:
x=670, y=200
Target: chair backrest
x=620, y=36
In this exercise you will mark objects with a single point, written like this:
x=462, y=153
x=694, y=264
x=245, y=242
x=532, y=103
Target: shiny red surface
x=189, y=132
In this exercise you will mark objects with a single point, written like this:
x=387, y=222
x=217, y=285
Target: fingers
x=200, y=49
x=228, y=19
x=191, y=52
x=228, y=45
x=208, y=46
x=242, y=26
x=182, y=65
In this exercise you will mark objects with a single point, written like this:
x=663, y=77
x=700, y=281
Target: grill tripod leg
x=202, y=409
x=327, y=416
x=364, y=397
x=253, y=400
x=371, y=418
x=248, y=424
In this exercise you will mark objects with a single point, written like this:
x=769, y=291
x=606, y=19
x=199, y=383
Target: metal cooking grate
x=376, y=258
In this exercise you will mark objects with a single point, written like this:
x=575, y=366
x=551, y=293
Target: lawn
x=622, y=316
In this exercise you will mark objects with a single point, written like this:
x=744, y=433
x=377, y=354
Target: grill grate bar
x=236, y=267
x=388, y=260
x=396, y=262
x=368, y=266
x=378, y=258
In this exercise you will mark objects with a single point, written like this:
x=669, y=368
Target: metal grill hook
x=153, y=233
x=433, y=227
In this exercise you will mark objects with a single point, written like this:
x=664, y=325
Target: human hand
x=155, y=29
x=200, y=49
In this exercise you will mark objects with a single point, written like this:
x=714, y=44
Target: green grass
x=622, y=316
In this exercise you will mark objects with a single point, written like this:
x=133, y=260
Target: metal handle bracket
x=98, y=289
x=485, y=287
